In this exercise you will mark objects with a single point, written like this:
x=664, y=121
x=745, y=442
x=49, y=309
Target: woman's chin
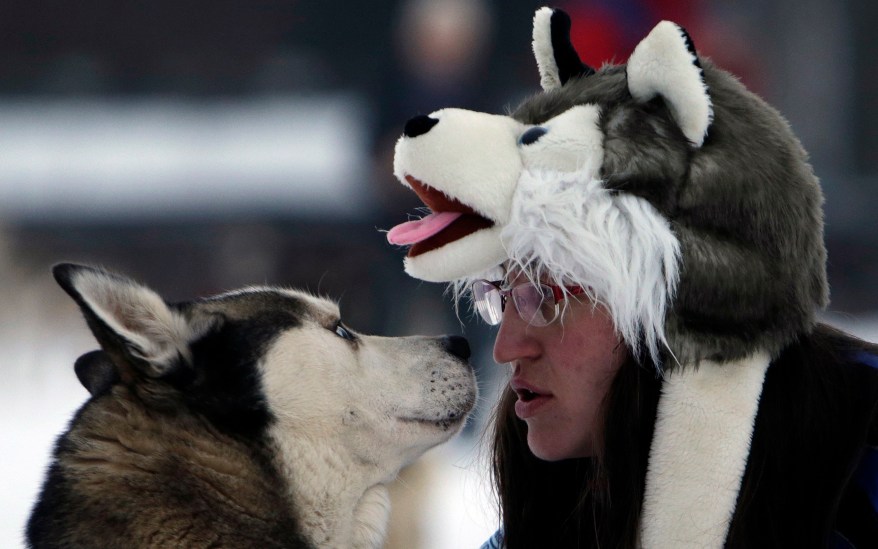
x=548, y=448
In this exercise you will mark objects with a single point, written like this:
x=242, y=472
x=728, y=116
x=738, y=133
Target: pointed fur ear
x=131, y=322
x=665, y=63
x=557, y=61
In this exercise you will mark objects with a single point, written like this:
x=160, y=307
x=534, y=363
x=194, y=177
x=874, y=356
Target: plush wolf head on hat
x=678, y=199
x=682, y=201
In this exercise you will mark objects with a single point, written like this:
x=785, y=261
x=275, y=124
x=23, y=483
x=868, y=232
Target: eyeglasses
x=536, y=304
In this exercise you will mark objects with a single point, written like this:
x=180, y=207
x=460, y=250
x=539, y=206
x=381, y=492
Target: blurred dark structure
x=232, y=49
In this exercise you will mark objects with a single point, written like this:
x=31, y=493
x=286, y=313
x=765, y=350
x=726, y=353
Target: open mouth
x=451, y=220
x=530, y=402
x=526, y=395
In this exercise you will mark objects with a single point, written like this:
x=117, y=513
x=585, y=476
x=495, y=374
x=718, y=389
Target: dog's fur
x=250, y=419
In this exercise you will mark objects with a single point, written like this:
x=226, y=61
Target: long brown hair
x=592, y=502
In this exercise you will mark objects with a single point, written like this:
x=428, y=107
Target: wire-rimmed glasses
x=536, y=303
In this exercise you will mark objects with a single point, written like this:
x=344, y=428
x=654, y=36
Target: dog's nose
x=419, y=125
x=456, y=345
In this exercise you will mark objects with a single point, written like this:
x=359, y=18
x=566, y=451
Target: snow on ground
x=41, y=335
x=457, y=511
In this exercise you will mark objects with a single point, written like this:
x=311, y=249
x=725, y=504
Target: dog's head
x=274, y=364
x=677, y=198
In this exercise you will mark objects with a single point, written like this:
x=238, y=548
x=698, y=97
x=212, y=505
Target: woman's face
x=561, y=373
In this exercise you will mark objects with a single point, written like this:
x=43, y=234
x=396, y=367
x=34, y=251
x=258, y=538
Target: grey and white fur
x=253, y=419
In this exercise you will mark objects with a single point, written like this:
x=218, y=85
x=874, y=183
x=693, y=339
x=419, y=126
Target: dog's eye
x=343, y=332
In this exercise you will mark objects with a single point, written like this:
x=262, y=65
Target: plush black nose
x=457, y=345
x=419, y=125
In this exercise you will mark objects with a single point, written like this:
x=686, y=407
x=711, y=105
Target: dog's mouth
x=444, y=422
x=451, y=220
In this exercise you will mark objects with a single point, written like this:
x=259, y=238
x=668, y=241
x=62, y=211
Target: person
x=573, y=431
x=649, y=239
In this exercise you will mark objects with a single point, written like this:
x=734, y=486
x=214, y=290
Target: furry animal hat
x=678, y=199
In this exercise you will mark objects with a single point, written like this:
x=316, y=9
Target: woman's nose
x=515, y=340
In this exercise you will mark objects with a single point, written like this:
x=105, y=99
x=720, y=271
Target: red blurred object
x=598, y=36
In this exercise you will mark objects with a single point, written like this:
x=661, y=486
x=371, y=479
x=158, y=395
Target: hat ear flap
x=557, y=61
x=666, y=64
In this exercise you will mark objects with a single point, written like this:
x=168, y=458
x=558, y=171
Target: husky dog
x=252, y=419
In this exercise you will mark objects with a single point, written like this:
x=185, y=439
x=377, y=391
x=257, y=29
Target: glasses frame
x=558, y=295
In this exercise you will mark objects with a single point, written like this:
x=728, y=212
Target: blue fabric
x=867, y=358
x=495, y=542
x=866, y=476
x=838, y=541
x=858, y=528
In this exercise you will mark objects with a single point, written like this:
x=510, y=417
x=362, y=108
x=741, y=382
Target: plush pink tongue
x=411, y=232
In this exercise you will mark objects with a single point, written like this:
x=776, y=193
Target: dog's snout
x=419, y=125
x=457, y=345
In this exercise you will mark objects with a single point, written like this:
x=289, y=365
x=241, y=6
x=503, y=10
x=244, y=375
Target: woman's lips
x=530, y=399
x=526, y=409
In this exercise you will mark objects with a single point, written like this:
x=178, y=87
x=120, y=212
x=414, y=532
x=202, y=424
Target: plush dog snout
x=419, y=125
x=457, y=345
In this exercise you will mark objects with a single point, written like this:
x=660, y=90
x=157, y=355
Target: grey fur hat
x=678, y=199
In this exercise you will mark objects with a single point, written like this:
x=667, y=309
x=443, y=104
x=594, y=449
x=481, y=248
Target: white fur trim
x=474, y=253
x=663, y=65
x=616, y=246
x=542, y=46
x=699, y=452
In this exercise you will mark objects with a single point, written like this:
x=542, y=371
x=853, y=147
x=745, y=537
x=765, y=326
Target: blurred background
x=203, y=145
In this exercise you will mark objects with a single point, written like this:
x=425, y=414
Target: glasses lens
x=549, y=307
x=489, y=302
x=535, y=303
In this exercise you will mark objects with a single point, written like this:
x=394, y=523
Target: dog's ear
x=134, y=326
x=666, y=64
x=96, y=372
